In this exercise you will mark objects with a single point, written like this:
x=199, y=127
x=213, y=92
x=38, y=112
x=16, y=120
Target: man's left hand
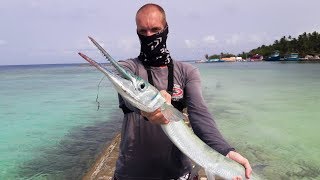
x=241, y=160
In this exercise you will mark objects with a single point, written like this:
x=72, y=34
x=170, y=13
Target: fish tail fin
x=171, y=113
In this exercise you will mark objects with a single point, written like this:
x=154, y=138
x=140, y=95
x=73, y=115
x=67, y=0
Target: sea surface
x=56, y=119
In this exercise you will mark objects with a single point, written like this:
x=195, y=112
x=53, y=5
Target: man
x=145, y=151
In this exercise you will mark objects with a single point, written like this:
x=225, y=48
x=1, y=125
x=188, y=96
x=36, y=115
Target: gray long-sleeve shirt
x=145, y=151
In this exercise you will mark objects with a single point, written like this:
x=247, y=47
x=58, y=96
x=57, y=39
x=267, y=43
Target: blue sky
x=53, y=31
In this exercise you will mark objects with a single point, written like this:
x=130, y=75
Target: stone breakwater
x=104, y=166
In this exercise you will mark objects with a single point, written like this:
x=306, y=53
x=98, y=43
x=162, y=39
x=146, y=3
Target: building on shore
x=312, y=57
x=256, y=57
x=229, y=59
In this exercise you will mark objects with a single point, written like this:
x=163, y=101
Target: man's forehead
x=149, y=11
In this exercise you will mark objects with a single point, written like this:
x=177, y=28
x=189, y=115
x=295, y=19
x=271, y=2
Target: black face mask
x=154, y=50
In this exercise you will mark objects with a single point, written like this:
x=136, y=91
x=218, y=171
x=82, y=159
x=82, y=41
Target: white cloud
x=210, y=39
x=35, y=3
x=255, y=38
x=258, y=38
x=3, y=42
x=128, y=45
x=191, y=43
x=234, y=39
x=200, y=43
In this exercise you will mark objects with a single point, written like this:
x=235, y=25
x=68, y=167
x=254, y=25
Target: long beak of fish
x=105, y=71
x=122, y=72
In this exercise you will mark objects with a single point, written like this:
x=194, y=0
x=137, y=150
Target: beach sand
x=104, y=166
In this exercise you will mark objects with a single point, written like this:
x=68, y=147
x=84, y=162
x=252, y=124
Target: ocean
x=56, y=119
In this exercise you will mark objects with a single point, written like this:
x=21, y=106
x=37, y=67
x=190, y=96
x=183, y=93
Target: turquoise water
x=49, y=124
x=50, y=127
x=270, y=112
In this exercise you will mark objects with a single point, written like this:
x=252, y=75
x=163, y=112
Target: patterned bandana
x=154, y=50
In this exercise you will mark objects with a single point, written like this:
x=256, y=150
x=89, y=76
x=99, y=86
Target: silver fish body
x=145, y=97
x=203, y=155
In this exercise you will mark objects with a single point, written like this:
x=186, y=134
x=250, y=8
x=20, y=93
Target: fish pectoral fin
x=171, y=113
x=210, y=175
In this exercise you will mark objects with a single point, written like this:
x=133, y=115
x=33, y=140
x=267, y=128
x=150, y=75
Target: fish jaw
x=134, y=90
x=114, y=63
x=139, y=92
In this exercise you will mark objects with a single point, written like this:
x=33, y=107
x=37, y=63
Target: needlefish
x=146, y=97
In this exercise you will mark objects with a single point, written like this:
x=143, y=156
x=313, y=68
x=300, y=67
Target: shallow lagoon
x=270, y=113
x=50, y=127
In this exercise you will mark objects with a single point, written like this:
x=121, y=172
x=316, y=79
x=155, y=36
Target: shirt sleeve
x=200, y=118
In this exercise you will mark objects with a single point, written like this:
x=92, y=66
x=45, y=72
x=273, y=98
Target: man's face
x=149, y=22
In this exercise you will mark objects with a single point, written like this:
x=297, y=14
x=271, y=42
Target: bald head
x=150, y=19
x=152, y=8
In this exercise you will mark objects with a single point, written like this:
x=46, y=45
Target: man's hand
x=241, y=160
x=157, y=117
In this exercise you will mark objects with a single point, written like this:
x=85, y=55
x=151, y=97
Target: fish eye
x=142, y=85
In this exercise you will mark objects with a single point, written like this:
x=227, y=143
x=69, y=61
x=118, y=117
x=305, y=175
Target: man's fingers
x=237, y=178
x=248, y=169
x=166, y=96
x=241, y=160
x=155, y=117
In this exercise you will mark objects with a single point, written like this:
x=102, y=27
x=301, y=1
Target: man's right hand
x=157, y=117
